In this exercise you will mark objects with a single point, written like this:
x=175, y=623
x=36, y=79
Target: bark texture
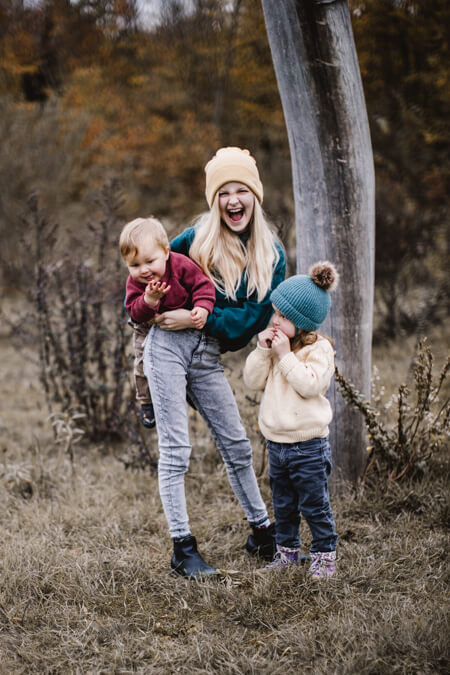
x=318, y=77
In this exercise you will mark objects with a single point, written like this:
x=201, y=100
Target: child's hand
x=280, y=344
x=199, y=316
x=265, y=337
x=154, y=291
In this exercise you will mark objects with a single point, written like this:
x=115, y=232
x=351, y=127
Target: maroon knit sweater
x=189, y=288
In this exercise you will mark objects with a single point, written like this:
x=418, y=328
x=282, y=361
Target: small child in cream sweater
x=294, y=365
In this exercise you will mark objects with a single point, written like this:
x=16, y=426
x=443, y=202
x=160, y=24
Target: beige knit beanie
x=232, y=165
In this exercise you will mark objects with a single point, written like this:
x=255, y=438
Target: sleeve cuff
x=264, y=351
x=153, y=309
x=205, y=304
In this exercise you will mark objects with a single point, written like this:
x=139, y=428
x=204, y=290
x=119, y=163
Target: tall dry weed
x=402, y=449
x=81, y=328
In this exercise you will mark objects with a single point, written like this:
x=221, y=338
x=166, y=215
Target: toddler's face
x=149, y=262
x=279, y=322
x=236, y=204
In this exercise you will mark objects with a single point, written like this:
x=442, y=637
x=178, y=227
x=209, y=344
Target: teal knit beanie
x=305, y=299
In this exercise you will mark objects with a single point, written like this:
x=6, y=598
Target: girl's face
x=279, y=322
x=236, y=204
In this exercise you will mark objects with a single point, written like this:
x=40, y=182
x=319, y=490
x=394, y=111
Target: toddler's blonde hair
x=223, y=257
x=134, y=232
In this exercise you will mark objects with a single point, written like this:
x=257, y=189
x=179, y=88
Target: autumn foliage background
x=105, y=116
x=89, y=92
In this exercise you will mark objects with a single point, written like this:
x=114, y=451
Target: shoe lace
x=322, y=562
x=316, y=562
x=279, y=559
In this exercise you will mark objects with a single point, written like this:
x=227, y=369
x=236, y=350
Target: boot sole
x=198, y=577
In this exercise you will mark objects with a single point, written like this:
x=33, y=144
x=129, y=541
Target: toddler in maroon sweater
x=159, y=281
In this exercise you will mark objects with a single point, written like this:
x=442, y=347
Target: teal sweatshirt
x=235, y=322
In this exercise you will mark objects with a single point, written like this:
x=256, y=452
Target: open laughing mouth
x=235, y=214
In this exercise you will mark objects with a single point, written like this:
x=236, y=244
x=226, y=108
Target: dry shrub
x=402, y=450
x=81, y=343
x=81, y=330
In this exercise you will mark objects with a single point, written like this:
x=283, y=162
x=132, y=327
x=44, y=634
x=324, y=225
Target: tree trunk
x=333, y=178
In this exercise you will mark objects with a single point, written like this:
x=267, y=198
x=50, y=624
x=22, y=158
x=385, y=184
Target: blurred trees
x=155, y=102
x=403, y=49
x=88, y=93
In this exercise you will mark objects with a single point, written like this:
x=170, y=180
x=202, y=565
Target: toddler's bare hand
x=199, y=316
x=265, y=337
x=154, y=291
x=280, y=344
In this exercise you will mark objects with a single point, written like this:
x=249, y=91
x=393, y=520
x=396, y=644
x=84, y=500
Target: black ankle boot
x=261, y=542
x=187, y=561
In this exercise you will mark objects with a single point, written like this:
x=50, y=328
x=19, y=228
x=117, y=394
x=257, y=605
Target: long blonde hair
x=223, y=257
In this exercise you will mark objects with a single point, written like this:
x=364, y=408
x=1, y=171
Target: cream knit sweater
x=293, y=406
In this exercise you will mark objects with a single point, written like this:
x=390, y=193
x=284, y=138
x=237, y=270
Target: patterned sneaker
x=284, y=557
x=323, y=565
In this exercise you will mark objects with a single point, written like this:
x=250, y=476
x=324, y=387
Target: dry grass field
x=84, y=551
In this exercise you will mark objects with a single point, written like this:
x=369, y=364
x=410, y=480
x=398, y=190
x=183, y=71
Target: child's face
x=236, y=204
x=279, y=322
x=149, y=261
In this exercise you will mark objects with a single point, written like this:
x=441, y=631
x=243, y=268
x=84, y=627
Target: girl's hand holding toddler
x=176, y=319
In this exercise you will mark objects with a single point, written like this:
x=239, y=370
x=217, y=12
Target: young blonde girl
x=236, y=249
x=294, y=365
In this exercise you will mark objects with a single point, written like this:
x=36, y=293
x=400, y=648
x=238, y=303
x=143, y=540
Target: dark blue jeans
x=299, y=480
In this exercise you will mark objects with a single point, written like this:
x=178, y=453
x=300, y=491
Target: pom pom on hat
x=305, y=299
x=324, y=275
x=232, y=165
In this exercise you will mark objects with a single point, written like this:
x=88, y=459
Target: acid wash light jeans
x=188, y=359
x=298, y=475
